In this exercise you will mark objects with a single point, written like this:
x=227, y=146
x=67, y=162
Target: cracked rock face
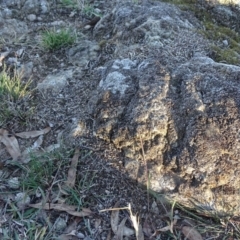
x=133, y=106
x=183, y=111
x=206, y=118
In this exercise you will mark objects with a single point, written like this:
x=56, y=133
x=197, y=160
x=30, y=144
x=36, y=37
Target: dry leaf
x=55, y=206
x=52, y=147
x=73, y=169
x=136, y=225
x=11, y=144
x=191, y=233
x=68, y=231
x=123, y=230
x=37, y=143
x=67, y=237
x=75, y=233
x=70, y=227
x=121, y=226
x=115, y=219
x=3, y=133
x=147, y=228
x=63, y=207
x=169, y=227
x=3, y=55
x=85, y=212
x=164, y=229
x=32, y=134
x=97, y=223
x=128, y=231
x=26, y=153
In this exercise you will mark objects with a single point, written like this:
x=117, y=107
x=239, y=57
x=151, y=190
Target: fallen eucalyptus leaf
x=32, y=134
x=191, y=233
x=11, y=144
x=121, y=226
x=73, y=169
x=115, y=219
x=63, y=207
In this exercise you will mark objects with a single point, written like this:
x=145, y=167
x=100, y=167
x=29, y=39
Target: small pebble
x=7, y=13
x=225, y=42
x=22, y=199
x=13, y=183
x=31, y=17
x=19, y=52
x=60, y=224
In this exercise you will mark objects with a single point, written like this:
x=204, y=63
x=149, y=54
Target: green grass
x=11, y=85
x=12, y=91
x=85, y=8
x=69, y=3
x=76, y=194
x=15, y=110
x=38, y=174
x=89, y=11
x=45, y=174
x=56, y=39
x=42, y=169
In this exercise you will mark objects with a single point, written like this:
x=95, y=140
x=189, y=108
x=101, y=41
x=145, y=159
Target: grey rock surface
x=12, y=28
x=205, y=116
x=173, y=102
x=55, y=82
x=12, y=3
x=35, y=7
x=81, y=54
x=31, y=17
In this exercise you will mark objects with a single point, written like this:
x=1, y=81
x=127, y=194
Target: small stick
x=113, y=209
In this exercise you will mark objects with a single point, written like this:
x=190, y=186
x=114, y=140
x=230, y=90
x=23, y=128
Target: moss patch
x=214, y=31
x=225, y=55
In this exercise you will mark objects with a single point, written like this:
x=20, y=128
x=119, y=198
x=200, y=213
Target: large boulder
x=162, y=100
x=203, y=151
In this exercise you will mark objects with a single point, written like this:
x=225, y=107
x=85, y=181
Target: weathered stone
x=26, y=70
x=35, y=6
x=31, y=17
x=22, y=199
x=205, y=115
x=12, y=3
x=7, y=13
x=12, y=28
x=160, y=29
x=182, y=111
x=55, y=82
x=81, y=54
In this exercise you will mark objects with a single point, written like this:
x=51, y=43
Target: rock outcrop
x=161, y=93
x=160, y=97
